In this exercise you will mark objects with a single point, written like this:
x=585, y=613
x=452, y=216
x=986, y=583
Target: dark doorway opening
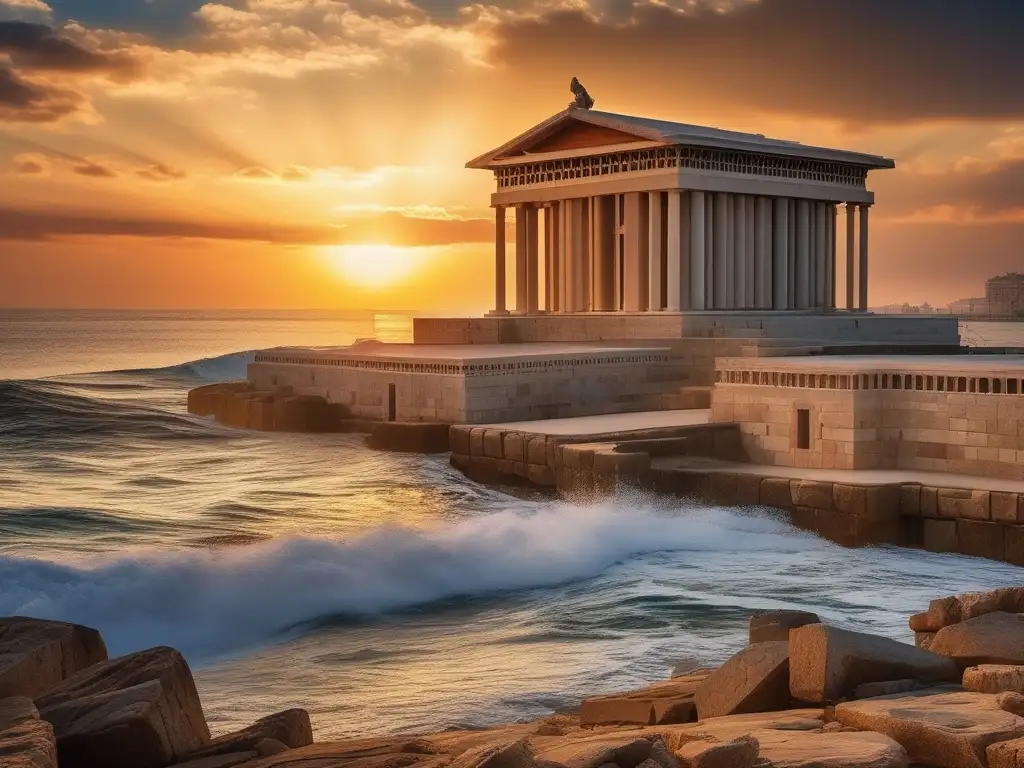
x=803, y=429
x=391, y=402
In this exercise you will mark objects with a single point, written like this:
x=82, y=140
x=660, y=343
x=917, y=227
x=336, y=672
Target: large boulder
x=290, y=727
x=36, y=654
x=754, y=680
x=946, y=611
x=947, y=729
x=797, y=739
x=993, y=638
x=702, y=753
x=28, y=744
x=828, y=663
x=136, y=711
x=666, y=702
x=775, y=625
x=626, y=750
x=994, y=678
x=1006, y=754
x=25, y=740
x=333, y=755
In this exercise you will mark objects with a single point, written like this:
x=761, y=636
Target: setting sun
x=372, y=266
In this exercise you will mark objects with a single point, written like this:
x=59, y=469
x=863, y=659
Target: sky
x=310, y=153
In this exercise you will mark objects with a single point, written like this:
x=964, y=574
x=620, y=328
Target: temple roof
x=577, y=132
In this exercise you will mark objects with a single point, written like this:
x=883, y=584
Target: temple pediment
x=576, y=132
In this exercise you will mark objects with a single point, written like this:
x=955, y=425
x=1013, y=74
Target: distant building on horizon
x=1005, y=295
x=1004, y=298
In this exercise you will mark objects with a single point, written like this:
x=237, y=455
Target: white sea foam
x=213, y=601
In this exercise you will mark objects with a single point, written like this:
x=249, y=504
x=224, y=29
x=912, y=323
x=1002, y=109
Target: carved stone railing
x=630, y=161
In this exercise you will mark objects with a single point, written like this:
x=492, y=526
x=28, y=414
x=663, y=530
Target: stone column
x=791, y=270
x=499, y=261
x=739, y=277
x=522, y=256
x=762, y=253
x=721, y=251
x=555, y=275
x=635, y=279
x=750, y=289
x=604, y=252
x=532, y=259
x=821, y=256
x=864, y=257
x=833, y=214
x=677, y=247
x=697, y=246
x=656, y=248
x=803, y=254
x=780, y=254
x=851, y=213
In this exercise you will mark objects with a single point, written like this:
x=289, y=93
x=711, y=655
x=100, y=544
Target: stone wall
x=979, y=431
x=618, y=326
x=981, y=523
x=485, y=390
x=580, y=466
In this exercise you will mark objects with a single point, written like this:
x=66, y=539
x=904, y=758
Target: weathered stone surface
x=28, y=744
x=493, y=444
x=290, y=727
x=924, y=640
x=738, y=753
x=797, y=739
x=993, y=638
x=882, y=503
x=910, y=500
x=775, y=625
x=851, y=499
x=226, y=760
x=515, y=446
x=1010, y=701
x=1006, y=754
x=829, y=663
x=887, y=688
x=16, y=709
x=514, y=754
x=754, y=680
x=36, y=654
x=980, y=539
x=536, y=451
x=775, y=492
x=956, y=503
x=138, y=710
x=625, y=750
x=812, y=493
x=335, y=755
x=661, y=703
x=948, y=729
x=1004, y=507
x=994, y=678
x=940, y=535
x=929, y=502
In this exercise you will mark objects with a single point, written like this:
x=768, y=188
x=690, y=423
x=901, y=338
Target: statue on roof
x=583, y=99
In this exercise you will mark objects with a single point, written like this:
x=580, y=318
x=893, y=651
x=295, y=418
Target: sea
x=384, y=593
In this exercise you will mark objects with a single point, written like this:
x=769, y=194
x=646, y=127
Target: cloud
x=871, y=61
x=409, y=211
x=256, y=173
x=38, y=225
x=31, y=165
x=23, y=101
x=160, y=172
x=93, y=170
x=38, y=47
x=24, y=9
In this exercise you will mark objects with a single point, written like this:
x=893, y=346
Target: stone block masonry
x=686, y=462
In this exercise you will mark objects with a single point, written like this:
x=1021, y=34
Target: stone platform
x=476, y=383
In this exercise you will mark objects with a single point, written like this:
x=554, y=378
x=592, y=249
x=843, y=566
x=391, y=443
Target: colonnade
x=682, y=250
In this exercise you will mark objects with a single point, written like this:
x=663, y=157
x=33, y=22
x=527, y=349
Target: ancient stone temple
x=643, y=215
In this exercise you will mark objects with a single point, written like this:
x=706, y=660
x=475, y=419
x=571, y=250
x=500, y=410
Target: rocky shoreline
x=802, y=694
